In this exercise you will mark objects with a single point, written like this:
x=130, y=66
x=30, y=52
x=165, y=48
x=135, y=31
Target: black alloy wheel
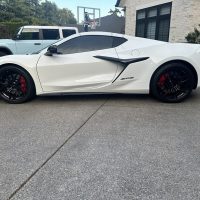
x=172, y=83
x=16, y=85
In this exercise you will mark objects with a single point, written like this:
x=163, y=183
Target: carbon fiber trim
x=124, y=62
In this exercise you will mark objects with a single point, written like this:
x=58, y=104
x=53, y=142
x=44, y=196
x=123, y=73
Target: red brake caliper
x=162, y=80
x=23, y=87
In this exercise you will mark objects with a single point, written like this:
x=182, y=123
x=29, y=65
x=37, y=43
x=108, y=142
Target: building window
x=154, y=22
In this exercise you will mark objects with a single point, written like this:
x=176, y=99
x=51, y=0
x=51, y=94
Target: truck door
x=29, y=41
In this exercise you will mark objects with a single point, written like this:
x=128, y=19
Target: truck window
x=68, y=32
x=51, y=34
x=29, y=34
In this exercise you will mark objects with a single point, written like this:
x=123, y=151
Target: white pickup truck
x=30, y=39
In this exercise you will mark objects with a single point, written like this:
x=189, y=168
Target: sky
x=104, y=5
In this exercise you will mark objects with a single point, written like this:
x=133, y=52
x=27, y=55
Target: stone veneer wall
x=185, y=16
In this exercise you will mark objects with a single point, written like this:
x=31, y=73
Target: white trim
x=154, y=3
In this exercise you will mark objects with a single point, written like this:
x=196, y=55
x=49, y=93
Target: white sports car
x=98, y=62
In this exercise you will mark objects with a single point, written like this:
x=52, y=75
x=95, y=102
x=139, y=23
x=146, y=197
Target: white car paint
x=82, y=72
x=71, y=73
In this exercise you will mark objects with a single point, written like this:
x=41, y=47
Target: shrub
x=194, y=37
x=8, y=29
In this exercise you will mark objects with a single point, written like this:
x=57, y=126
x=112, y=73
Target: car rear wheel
x=16, y=85
x=172, y=83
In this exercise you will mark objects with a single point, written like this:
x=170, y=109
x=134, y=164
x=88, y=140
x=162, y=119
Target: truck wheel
x=2, y=53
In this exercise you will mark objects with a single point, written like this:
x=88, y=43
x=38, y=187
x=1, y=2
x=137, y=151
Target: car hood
x=6, y=41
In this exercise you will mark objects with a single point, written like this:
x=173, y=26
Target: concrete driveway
x=112, y=147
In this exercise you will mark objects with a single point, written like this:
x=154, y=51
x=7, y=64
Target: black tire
x=16, y=85
x=2, y=53
x=172, y=83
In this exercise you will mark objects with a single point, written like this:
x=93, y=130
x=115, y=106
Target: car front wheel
x=172, y=83
x=2, y=53
x=16, y=85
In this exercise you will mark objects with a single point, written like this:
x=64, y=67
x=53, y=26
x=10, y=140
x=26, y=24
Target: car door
x=28, y=41
x=75, y=68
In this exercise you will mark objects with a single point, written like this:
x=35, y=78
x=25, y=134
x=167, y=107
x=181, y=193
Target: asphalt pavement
x=99, y=147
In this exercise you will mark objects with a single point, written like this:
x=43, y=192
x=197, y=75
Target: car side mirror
x=52, y=50
x=16, y=37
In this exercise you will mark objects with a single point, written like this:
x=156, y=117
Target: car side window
x=85, y=44
x=29, y=34
x=51, y=34
x=68, y=32
x=117, y=41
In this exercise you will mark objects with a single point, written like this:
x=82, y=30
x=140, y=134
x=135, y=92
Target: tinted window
x=117, y=41
x=140, y=31
x=51, y=34
x=29, y=34
x=164, y=27
x=68, y=32
x=85, y=44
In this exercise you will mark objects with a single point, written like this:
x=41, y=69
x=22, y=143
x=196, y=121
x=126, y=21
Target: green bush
x=194, y=37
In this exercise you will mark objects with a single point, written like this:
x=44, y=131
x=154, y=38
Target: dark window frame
x=157, y=18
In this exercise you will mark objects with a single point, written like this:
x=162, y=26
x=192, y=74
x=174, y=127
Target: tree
x=17, y=13
x=35, y=12
x=194, y=37
x=114, y=12
x=66, y=17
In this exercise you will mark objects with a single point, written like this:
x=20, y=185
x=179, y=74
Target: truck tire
x=2, y=53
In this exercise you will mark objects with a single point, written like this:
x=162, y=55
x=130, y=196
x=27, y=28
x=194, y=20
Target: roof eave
x=118, y=3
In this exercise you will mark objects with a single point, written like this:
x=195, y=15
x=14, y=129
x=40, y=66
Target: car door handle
x=37, y=43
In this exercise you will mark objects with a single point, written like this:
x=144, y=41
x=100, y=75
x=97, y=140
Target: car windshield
x=37, y=52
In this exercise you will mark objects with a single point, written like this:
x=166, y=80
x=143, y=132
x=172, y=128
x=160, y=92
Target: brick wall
x=185, y=16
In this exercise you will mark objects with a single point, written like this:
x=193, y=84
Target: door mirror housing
x=53, y=49
x=16, y=37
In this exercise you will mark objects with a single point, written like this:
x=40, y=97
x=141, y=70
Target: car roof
x=102, y=33
x=50, y=27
